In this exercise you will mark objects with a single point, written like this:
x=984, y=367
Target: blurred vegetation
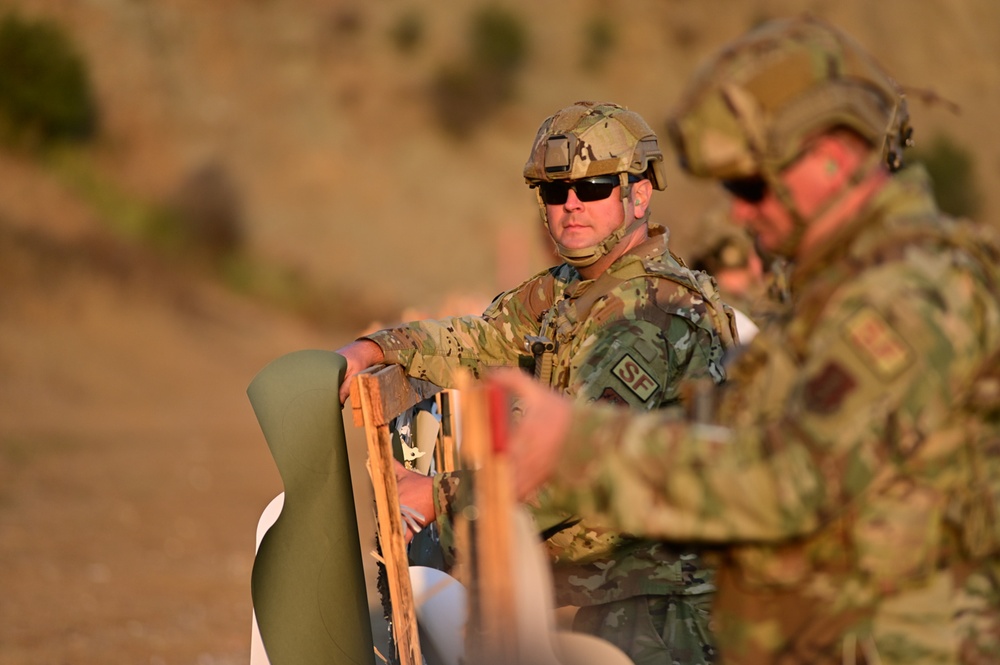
x=407, y=33
x=952, y=171
x=207, y=214
x=347, y=21
x=600, y=37
x=499, y=39
x=685, y=35
x=200, y=228
x=335, y=307
x=45, y=90
x=466, y=93
x=126, y=215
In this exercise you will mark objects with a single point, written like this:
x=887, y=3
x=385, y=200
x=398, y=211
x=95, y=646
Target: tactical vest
x=560, y=322
x=581, y=548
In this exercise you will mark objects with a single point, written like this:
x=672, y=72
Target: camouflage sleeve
x=433, y=349
x=452, y=493
x=639, y=363
x=806, y=433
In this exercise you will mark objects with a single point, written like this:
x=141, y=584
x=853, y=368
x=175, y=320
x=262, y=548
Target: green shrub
x=407, y=32
x=207, y=211
x=336, y=306
x=466, y=93
x=461, y=99
x=45, y=91
x=499, y=41
x=599, y=40
x=952, y=171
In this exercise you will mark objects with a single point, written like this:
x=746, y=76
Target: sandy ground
x=132, y=469
x=128, y=517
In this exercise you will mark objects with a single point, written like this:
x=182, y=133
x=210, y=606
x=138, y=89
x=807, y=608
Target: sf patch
x=877, y=344
x=635, y=377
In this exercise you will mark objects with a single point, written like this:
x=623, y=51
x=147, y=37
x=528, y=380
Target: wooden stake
x=493, y=634
x=445, y=452
x=380, y=396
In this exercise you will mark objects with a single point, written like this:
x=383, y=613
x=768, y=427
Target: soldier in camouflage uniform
x=726, y=252
x=849, y=472
x=622, y=320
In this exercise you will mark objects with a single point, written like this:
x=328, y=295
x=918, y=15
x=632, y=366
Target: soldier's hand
x=360, y=355
x=537, y=438
x=416, y=499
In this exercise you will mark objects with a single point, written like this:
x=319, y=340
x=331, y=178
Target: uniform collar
x=655, y=245
x=651, y=248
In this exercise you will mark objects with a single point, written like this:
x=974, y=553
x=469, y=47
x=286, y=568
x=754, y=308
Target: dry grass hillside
x=329, y=131
x=131, y=468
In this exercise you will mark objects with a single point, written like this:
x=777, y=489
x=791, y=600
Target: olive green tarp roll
x=308, y=582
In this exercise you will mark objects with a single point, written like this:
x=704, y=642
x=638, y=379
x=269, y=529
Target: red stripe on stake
x=499, y=411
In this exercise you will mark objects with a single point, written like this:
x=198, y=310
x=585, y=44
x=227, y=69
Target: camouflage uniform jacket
x=841, y=467
x=647, y=327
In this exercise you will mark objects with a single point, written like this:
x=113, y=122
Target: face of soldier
x=577, y=224
x=818, y=175
x=766, y=219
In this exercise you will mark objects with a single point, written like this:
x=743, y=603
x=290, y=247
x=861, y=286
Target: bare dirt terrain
x=132, y=470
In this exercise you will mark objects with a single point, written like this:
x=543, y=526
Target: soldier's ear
x=642, y=191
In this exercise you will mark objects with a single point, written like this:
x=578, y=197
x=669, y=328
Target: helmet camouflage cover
x=589, y=139
x=753, y=107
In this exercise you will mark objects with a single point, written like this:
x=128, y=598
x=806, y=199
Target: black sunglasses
x=597, y=188
x=751, y=190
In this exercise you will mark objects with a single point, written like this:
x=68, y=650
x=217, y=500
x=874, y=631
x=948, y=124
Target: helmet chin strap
x=588, y=256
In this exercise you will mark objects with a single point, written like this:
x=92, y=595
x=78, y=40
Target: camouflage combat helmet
x=753, y=108
x=589, y=139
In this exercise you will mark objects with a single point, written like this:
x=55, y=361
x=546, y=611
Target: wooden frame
x=378, y=395
x=507, y=624
x=446, y=452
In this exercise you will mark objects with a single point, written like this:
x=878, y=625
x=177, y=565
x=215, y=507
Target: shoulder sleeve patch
x=612, y=397
x=825, y=391
x=877, y=344
x=635, y=377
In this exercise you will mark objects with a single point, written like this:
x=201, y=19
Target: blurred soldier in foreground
x=849, y=473
x=620, y=321
x=726, y=252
